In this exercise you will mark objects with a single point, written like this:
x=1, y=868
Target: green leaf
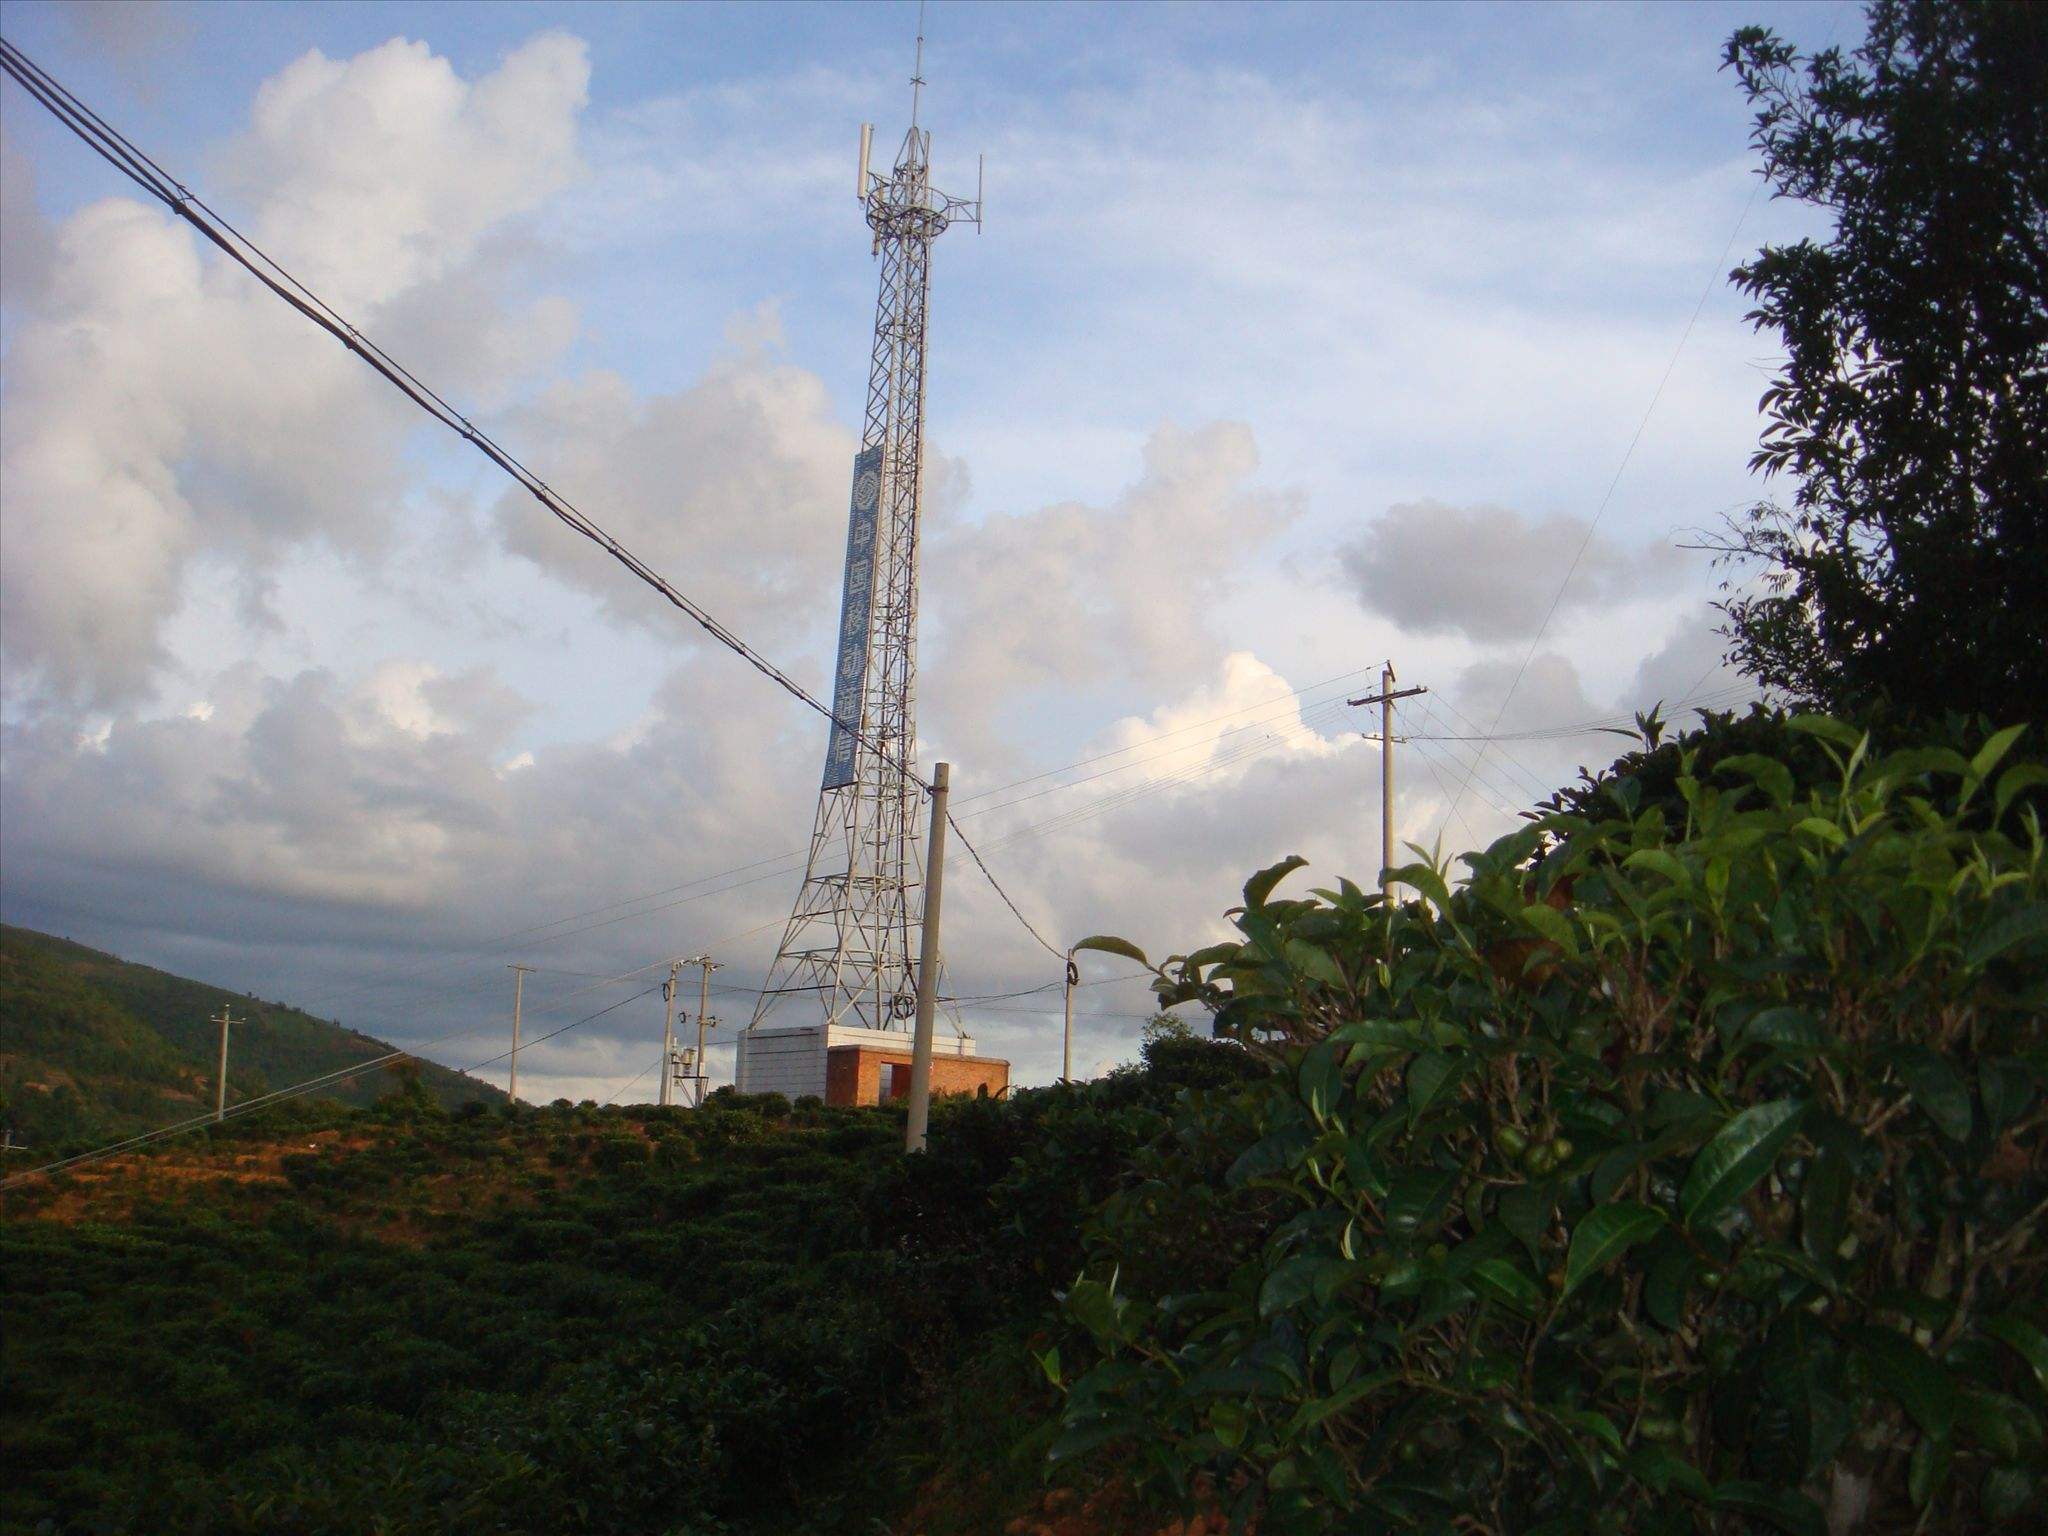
x=2016, y=779
x=1660, y=861
x=1993, y=1420
x=1416, y=1200
x=1825, y=830
x=1322, y=1080
x=1228, y=1422
x=1289, y=1283
x=1109, y=944
x=2026, y=1339
x=1315, y=963
x=1096, y=1308
x=1552, y=925
x=1314, y=1413
x=1827, y=728
x=1525, y=1212
x=1910, y=1374
x=2006, y=1087
x=1424, y=878
x=1992, y=751
x=1049, y=1362
x=1740, y=1154
x=1772, y=776
x=1787, y=1510
x=1824, y=1206
x=1657, y=1467
x=1080, y=1437
x=1613, y=1169
x=1671, y=1266
x=1430, y=1075
x=1505, y=1283
x=1926, y=1471
x=1784, y=1029
x=1260, y=886
x=1936, y=1088
x=1604, y=1234
x=2020, y=925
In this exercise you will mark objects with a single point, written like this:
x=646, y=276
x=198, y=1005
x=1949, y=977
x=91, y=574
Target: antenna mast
x=848, y=944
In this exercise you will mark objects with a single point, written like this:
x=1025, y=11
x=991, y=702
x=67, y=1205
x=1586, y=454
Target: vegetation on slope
x=93, y=1047
x=744, y=1319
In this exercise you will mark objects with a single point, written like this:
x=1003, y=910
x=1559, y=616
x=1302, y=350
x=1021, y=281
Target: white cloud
x=161, y=406
x=734, y=487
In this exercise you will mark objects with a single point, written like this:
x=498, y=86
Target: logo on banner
x=856, y=617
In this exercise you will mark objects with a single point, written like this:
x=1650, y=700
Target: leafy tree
x=1913, y=406
x=1676, y=1172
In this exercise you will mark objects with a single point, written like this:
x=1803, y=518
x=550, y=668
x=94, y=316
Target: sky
x=1296, y=339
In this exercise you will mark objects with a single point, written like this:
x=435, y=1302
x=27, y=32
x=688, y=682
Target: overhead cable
x=118, y=151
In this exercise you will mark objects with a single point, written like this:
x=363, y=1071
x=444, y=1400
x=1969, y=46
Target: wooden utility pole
x=928, y=966
x=668, y=1034
x=1385, y=699
x=220, y=1084
x=706, y=965
x=518, y=992
x=1067, y=1034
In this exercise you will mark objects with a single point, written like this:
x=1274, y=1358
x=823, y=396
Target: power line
x=123, y=155
x=277, y=1096
x=982, y=864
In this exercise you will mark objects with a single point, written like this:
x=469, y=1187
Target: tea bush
x=1681, y=1170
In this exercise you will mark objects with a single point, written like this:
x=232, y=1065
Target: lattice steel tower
x=849, y=942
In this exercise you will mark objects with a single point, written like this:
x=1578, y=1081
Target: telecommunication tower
x=847, y=951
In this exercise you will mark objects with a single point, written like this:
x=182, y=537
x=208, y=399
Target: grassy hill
x=92, y=1046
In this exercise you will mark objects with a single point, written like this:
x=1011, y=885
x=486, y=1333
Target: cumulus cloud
x=160, y=407
x=735, y=487
x=1072, y=596
x=384, y=171
x=1489, y=573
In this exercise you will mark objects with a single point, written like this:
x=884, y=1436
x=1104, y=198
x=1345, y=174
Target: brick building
x=868, y=1074
x=850, y=1065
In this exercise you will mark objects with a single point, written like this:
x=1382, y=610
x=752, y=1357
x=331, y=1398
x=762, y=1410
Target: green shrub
x=1680, y=1171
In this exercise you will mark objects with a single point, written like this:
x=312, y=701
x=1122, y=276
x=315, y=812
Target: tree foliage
x=1912, y=409
x=1679, y=1171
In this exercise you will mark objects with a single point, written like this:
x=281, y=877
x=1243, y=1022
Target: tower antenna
x=917, y=69
x=848, y=949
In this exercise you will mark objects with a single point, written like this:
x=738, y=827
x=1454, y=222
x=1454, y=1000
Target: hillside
x=93, y=1046
x=328, y=1320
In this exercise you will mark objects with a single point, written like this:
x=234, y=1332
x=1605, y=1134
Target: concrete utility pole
x=1067, y=1035
x=518, y=992
x=1385, y=699
x=928, y=965
x=706, y=965
x=220, y=1085
x=668, y=1034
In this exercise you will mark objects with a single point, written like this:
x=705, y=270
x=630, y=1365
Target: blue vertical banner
x=856, y=613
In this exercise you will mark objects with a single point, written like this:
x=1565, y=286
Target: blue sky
x=1298, y=336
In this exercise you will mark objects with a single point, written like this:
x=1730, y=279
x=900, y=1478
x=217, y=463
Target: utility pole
x=1067, y=1035
x=706, y=965
x=668, y=1034
x=518, y=991
x=220, y=1085
x=928, y=966
x=1385, y=699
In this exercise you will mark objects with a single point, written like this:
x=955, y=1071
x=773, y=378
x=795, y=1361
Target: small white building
x=791, y=1060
